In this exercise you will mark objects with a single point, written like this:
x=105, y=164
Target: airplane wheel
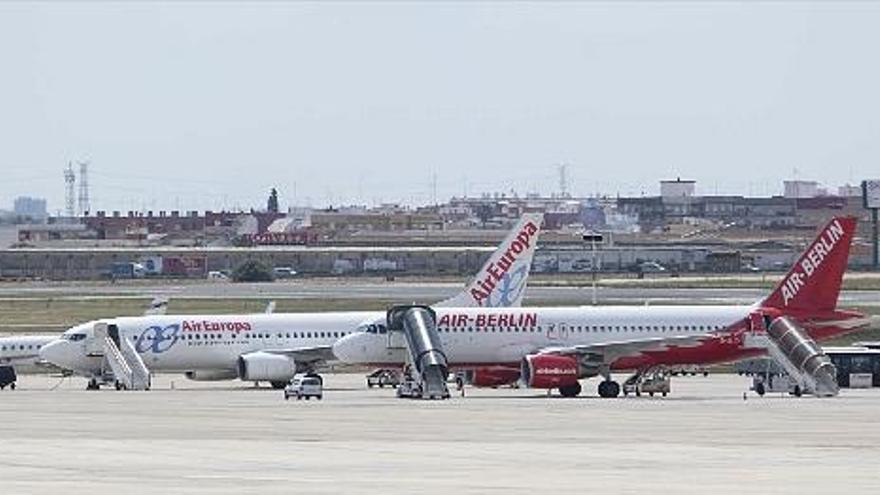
x=609, y=389
x=760, y=390
x=11, y=386
x=570, y=390
x=614, y=389
x=278, y=385
x=797, y=391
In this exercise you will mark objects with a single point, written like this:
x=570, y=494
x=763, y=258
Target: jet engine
x=550, y=371
x=493, y=376
x=211, y=375
x=265, y=366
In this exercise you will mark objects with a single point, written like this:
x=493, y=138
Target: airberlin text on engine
x=812, y=261
x=497, y=269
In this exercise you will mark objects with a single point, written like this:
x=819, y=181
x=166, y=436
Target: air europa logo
x=498, y=270
x=157, y=339
x=812, y=261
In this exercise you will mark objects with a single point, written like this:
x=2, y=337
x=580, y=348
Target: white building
x=677, y=191
x=798, y=189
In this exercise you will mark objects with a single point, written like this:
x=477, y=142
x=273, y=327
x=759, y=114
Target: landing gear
x=93, y=385
x=609, y=389
x=760, y=389
x=278, y=385
x=572, y=390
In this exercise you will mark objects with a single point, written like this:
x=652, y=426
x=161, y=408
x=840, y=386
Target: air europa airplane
x=556, y=347
x=274, y=347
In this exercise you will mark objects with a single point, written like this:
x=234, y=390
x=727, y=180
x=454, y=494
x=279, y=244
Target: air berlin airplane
x=556, y=347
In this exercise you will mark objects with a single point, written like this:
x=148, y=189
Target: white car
x=307, y=386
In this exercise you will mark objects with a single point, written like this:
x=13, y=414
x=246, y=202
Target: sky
x=201, y=105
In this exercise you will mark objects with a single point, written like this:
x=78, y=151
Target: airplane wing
x=608, y=352
x=307, y=355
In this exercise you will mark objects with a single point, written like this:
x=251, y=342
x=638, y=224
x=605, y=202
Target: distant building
x=675, y=191
x=34, y=208
x=799, y=189
x=848, y=191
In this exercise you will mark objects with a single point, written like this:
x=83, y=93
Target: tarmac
x=227, y=437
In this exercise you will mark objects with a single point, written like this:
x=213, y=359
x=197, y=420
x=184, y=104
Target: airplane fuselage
x=481, y=337
x=180, y=343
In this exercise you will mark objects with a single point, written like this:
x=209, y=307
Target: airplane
x=556, y=347
x=274, y=347
x=21, y=355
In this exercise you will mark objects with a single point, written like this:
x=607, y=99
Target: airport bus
x=857, y=366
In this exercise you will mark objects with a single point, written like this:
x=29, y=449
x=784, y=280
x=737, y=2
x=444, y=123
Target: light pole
x=593, y=238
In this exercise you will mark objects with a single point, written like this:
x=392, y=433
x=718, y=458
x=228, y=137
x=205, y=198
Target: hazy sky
x=201, y=105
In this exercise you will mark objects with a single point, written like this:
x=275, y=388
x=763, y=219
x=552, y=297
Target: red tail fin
x=813, y=283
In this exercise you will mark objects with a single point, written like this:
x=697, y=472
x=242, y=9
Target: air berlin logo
x=556, y=371
x=812, y=261
x=499, y=269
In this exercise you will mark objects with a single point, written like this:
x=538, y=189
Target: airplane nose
x=57, y=353
x=343, y=348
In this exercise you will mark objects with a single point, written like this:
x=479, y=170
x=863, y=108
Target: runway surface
x=229, y=438
x=399, y=291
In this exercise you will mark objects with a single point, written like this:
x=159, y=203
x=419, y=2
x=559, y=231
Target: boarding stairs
x=124, y=362
x=791, y=346
x=426, y=357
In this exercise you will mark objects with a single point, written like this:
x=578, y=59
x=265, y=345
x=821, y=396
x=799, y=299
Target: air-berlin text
x=812, y=261
x=484, y=320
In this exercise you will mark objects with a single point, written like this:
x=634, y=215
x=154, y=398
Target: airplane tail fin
x=501, y=282
x=813, y=283
x=158, y=306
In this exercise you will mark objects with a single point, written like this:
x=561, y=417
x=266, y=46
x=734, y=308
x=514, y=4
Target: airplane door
x=113, y=333
x=557, y=332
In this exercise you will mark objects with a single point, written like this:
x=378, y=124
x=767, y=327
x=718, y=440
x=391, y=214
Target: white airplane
x=556, y=347
x=273, y=347
x=21, y=355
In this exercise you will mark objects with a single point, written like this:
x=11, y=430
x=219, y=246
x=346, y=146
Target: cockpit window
x=76, y=337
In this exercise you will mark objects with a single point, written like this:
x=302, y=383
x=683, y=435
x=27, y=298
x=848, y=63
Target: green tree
x=252, y=271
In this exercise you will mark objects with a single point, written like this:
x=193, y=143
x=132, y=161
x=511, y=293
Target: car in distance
x=283, y=272
x=305, y=387
x=382, y=377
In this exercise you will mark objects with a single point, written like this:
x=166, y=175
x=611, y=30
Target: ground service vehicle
x=306, y=387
